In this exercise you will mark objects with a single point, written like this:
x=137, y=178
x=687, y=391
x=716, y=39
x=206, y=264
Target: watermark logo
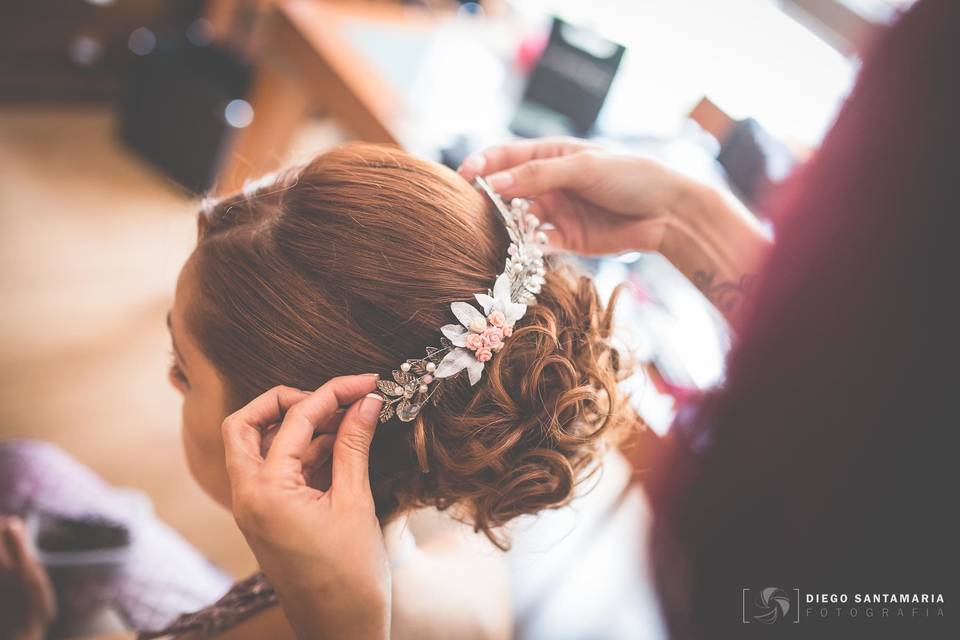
x=771, y=605
x=775, y=606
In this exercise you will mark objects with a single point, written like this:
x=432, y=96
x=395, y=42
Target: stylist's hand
x=322, y=550
x=27, y=602
x=599, y=202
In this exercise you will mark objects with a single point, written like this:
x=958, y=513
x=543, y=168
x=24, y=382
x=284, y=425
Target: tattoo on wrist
x=724, y=294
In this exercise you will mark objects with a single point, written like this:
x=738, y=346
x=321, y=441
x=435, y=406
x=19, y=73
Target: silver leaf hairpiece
x=480, y=333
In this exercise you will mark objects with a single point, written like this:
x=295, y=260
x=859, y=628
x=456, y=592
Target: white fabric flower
x=501, y=301
x=458, y=360
x=474, y=322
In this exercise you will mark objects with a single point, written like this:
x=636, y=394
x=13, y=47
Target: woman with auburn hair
x=822, y=462
x=367, y=260
x=350, y=264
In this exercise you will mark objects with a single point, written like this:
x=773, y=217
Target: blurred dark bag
x=174, y=108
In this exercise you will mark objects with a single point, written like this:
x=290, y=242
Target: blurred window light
x=748, y=56
x=238, y=114
x=847, y=25
x=101, y=3
x=142, y=41
x=884, y=11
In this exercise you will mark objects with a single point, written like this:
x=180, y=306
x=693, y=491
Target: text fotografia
x=873, y=605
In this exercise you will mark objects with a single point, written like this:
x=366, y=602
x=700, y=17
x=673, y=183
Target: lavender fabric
x=163, y=575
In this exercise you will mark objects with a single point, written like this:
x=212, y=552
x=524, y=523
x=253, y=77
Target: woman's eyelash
x=176, y=373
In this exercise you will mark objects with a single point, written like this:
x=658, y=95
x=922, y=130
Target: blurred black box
x=175, y=108
x=569, y=84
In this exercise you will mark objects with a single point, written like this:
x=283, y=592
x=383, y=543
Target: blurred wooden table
x=307, y=64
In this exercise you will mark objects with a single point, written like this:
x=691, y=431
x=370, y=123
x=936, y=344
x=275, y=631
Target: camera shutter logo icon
x=772, y=605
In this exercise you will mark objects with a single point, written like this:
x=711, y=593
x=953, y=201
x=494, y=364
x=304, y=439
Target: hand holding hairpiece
x=472, y=343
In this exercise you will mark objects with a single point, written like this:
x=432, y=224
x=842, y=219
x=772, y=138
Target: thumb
x=532, y=178
x=351, y=450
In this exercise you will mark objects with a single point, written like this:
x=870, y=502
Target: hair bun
x=350, y=263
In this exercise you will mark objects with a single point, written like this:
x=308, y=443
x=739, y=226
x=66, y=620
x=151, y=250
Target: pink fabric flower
x=484, y=354
x=475, y=341
x=497, y=318
x=492, y=337
x=506, y=331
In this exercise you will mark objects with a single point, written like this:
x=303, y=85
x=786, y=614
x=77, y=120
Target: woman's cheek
x=203, y=447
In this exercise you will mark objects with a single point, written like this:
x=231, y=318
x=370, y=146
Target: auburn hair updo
x=348, y=264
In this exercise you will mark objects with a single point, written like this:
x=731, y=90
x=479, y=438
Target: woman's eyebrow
x=173, y=341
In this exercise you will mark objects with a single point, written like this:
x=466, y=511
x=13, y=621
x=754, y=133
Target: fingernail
x=474, y=163
x=369, y=409
x=371, y=375
x=502, y=180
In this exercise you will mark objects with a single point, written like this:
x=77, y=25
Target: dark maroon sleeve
x=826, y=461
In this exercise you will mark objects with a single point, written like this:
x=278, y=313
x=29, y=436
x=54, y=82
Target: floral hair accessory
x=481, y=332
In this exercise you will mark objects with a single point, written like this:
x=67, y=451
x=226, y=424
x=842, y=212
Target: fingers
x=241, y=431
x=332, y=422
x=15, y=542
x=329, y=426
x=316, y=461
x=512, y=154
x=34, y=579
x=319, y=450
x=316, y=409
x=351, y=451
x=6, y=560
x=535, y=177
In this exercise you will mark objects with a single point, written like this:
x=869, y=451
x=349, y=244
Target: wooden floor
x=91, y=241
